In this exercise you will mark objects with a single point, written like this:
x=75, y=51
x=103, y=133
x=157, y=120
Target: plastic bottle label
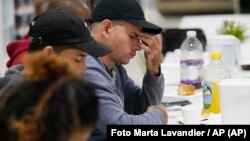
x=190, y=72
x=211, y=99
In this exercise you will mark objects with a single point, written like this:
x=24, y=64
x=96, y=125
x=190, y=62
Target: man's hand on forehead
x=145, y=39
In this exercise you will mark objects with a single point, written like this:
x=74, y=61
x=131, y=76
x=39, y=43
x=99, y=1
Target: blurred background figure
x=24, y=13
x=51, y=104
x=78, y=7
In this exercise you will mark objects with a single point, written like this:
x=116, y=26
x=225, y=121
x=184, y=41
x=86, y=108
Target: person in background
x=123, y=27
x=24, y=13
x=78, y=7
x=52, y=103
x=60, y=32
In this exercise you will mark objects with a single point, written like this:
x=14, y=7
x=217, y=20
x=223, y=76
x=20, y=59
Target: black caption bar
x=161, y=132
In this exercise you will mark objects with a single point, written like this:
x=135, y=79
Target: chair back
x=173, y=38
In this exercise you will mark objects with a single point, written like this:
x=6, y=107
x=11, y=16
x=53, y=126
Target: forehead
x=74, y=51
x=68, y=49
x=132, y=27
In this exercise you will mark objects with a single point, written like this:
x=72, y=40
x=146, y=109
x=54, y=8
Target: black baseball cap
x=128, y=10
x=60, y=27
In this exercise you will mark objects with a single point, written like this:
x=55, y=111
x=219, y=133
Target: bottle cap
x=191, y=33
x=216, y=55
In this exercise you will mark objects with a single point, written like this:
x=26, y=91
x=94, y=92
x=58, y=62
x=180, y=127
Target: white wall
x=7, y=28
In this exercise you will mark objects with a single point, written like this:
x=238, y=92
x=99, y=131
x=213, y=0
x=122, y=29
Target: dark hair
x=49, y=106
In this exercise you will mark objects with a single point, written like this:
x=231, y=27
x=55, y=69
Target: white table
x=171, y=70
x=170, y=65
x=175, y=114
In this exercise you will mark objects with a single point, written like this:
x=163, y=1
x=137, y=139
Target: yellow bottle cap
x=216, y=55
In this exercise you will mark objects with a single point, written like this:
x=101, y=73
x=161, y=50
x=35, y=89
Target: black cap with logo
x=59, y=27
x=128, y=10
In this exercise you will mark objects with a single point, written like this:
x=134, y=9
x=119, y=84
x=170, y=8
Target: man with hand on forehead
x=121, y=25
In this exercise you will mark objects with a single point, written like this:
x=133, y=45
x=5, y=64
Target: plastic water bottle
x=212, y=75
x=191, y=60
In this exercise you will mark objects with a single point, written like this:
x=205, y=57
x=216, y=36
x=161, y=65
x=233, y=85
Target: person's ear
x=106, y=28
x=48, y=50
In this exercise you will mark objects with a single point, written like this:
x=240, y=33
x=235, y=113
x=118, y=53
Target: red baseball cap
x=14, y=48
